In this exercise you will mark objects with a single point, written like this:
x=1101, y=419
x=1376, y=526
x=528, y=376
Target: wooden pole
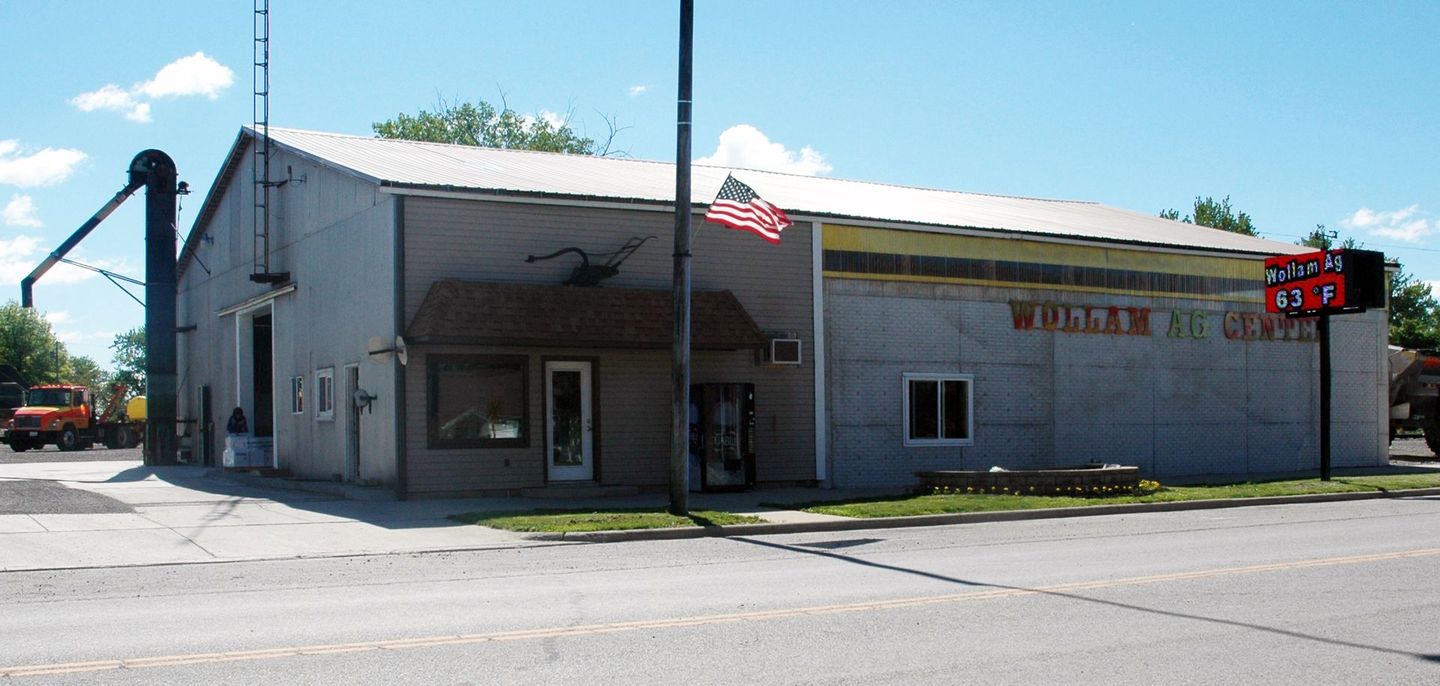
x=680, y=345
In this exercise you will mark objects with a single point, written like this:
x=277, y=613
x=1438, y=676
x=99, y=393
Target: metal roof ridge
x=907, y=186
x=404, y=141
x=882, y=184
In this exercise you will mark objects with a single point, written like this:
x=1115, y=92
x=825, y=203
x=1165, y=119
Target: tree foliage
x=1216, y=214
x=129, y=359
x=28, y=345
x=482, y=124
x=86, y=372
x=1414, y=313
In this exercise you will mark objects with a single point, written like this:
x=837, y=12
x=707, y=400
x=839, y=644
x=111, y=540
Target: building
x=935, y=329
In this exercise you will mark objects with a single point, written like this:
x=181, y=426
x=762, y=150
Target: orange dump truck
x=64, y=415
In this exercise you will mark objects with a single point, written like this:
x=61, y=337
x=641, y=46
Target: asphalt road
x=1328, y=593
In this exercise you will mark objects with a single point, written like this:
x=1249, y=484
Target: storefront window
x=938, y=409
x=477, y=401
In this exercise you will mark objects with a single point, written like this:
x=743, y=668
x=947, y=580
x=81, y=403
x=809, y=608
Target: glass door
x=569, y=436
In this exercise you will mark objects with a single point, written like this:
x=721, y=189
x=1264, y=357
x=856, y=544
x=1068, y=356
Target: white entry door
x=570, y=426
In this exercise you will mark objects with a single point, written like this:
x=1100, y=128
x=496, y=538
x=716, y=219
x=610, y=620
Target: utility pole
x=1323, y=333
x=680, y=343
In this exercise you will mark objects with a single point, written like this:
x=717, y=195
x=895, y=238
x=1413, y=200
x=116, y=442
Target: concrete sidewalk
x=137, y=515
x=183, y=515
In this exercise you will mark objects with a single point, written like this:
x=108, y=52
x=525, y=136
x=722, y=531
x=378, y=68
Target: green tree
x=129, y=359
x=482, y=124
x=1414, y=313
x=28, y=345
x=1216, y=214
x=86, y=372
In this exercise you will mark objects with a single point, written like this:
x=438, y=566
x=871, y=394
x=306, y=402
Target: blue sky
x=1303, y=113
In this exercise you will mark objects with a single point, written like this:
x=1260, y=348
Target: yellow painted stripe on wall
x=1042, y=286
x=894, y=241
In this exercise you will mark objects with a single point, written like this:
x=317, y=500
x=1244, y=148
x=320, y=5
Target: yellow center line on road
x=679, y=622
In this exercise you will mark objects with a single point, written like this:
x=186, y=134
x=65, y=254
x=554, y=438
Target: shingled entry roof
x=479, y=313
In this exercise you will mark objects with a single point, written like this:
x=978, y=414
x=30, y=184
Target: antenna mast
x=260, y=172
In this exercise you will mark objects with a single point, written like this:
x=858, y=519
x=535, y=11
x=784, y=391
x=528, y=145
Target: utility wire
x=1377, y=245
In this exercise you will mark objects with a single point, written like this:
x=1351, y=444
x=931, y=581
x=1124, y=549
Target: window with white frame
x=938, y=409
x=325, y=394
x=297, y=395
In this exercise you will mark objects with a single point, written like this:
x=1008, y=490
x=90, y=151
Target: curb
x=960, y=518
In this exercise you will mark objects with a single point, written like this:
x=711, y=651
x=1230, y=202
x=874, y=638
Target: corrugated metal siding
x=488, y=241
x=334, y=234
x=434, y=165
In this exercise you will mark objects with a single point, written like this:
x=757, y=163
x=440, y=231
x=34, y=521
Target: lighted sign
x=1328, y=282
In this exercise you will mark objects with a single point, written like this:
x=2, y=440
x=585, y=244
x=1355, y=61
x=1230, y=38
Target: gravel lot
x=52, y=454
x=28, y=497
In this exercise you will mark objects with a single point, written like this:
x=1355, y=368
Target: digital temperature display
x=1332, y=282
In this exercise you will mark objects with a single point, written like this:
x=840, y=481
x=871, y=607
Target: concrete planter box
x=1043, y=481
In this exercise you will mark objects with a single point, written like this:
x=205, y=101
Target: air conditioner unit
x=783, y=351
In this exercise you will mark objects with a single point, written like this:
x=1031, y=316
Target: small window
x=477, y=401
x=938, y=409
x=297, y=395
x=325, y=394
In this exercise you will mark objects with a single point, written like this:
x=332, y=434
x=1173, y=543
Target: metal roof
x=435, y=166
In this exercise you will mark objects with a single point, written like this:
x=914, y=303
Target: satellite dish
x=377, y=347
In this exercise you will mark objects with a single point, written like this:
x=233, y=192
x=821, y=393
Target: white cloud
x=112, y=97
x=637, y=90
x=70, y=338
x=58, y=317
x=20, y=211
x=197, y=74
x=42, y=168
x=1408, y=224
x=21, y=254
x=15, y=258
x=745, y=146
x=1434, y=288
x=554, y=120
x=140, y=114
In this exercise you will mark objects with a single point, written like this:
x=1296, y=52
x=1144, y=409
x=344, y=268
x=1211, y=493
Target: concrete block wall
x=1174, y=406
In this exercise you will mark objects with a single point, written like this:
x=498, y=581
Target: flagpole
x=680, y=342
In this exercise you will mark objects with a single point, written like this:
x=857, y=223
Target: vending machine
x=722, y=436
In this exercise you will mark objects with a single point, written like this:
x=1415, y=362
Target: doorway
x=570, y=421
x=255, y=380
x=262, y=423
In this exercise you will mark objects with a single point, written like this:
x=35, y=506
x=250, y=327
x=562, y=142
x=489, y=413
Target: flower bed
x=1082, y=480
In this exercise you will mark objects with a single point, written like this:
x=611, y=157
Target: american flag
x=738, y=207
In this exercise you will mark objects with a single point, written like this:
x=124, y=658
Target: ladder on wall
x=260, y=171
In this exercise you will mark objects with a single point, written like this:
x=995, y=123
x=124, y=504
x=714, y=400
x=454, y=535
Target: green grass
x=566, y=521
x=902, y=506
